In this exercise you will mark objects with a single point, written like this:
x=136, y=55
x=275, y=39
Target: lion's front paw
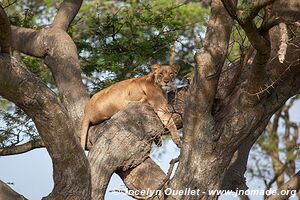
x=178, y=142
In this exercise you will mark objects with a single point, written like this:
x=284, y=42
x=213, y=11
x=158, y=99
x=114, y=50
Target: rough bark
x=292, y=184
x=7, y=193
x=5, y=33
x=41, y=104
x=71, y=170
x=198, y=150
x=59, y=52
x=135, y=128
x=23, y=148
x=212, y=121
x=66, y=13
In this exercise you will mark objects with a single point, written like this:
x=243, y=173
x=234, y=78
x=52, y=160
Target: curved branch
x=66, y=13
x=60, y=54
x=5, y=32
x=23, y=148
x=51, y=119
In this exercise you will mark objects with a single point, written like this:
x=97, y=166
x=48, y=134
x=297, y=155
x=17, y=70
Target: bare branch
x=278, y=174
x=5, y=32
x=66, y=13
x=256, y=7
x=23, y=148
x=292, y=184
x=256, y=39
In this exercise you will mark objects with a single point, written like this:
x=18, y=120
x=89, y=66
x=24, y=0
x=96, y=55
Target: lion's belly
x=108, y=103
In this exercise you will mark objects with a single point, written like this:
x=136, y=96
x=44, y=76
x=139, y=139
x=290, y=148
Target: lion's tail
x=84, y=131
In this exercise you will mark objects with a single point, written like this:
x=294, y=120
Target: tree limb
x=5, y=32
x=23, y=148
x=60, y=55
x=260, y=42
x=135, y=128
x=234, y=177
x=209, y=66
x=30, y=94
x=255, y=8
x=292, y=184
x=66, y=13
x=7, y=193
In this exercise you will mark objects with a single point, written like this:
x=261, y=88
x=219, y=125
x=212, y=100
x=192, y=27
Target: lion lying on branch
x=150, y=88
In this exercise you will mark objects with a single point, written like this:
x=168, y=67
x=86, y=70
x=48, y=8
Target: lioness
x=150, y=88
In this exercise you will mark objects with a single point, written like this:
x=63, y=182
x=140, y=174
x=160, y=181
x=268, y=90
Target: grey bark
x=212, y=121
x=135, y=128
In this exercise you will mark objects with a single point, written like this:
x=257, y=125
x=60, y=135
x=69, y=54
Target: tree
x=278, y=146
x=225, y=109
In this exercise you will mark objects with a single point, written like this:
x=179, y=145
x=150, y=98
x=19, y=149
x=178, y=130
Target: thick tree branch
x=60, y=55
x=142, y=177
x=198, y=147
x=5, y=32
x=257, y=40
x=66, y=13
x=41, y=104
x=23, y=148
x=260, y=42
x=135, y=128
x=209, y=66
x=234, y=177
x=285, y=84
x=7, y=193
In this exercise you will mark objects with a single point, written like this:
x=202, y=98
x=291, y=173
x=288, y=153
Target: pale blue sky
x=31, y=172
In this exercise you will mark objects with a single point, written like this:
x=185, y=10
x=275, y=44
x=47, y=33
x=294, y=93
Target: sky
x=31, y=173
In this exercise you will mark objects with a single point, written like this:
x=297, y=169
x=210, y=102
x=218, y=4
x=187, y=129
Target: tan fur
x=150, y=88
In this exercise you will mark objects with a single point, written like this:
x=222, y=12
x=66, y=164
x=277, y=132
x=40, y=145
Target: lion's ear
x=175, y=68
x=154, y=67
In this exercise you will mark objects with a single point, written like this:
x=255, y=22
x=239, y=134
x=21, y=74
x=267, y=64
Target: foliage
x=116, y=40
x=16, y=128
x=123, y=37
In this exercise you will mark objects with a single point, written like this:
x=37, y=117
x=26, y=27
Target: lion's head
x=164, y=75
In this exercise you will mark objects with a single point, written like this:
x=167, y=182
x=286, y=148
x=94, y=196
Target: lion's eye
x=171, y=74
